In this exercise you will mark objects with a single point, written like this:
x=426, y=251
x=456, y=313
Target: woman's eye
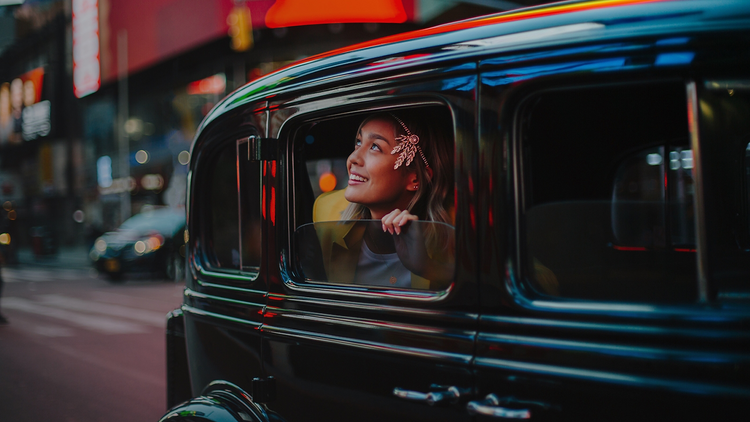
x=375, y=147
x=357, y=143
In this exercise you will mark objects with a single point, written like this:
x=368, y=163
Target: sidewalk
x=66, y=257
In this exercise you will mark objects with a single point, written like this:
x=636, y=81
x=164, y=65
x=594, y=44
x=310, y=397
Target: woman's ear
x=413, y=182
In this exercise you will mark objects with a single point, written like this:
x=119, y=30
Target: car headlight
x=148, y=245
x=100, y=245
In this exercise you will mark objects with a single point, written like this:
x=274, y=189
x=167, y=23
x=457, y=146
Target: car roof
x=606, y=19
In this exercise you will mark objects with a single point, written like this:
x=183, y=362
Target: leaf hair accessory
x=407, y=147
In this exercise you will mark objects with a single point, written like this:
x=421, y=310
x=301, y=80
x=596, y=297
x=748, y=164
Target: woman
x=400, y=171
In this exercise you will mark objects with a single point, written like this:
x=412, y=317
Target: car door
x=614, y=289
x=226, y=285
x=340, y=351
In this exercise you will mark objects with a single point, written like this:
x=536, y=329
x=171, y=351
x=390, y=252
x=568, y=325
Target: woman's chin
x=349, y=194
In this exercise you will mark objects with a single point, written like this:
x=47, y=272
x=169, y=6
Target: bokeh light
x=141, y=157
x=327, y=182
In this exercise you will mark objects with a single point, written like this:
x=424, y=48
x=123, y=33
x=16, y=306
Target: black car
x=599, y=232
x=151, y=242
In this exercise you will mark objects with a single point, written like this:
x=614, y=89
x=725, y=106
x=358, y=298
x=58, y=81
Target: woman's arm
x=433, y=262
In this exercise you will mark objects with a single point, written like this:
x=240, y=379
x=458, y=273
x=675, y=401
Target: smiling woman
x=396, y=205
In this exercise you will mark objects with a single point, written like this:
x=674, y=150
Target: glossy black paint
x=337, y=353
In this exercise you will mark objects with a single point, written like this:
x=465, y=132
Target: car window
x=232, y=190
x=165, y=221
x=608, y=194
x=322, y=225
x=419, y=257
x=724, y=107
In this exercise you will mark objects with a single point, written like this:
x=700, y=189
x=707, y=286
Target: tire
x=175, y=267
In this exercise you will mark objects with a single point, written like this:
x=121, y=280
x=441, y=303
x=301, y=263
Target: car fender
x=220, y=401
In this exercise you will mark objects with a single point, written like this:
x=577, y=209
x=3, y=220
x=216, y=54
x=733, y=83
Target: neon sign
x=306, y=12
x=86, y=71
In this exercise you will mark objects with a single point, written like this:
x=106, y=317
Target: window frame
x=226, y=277
x=292, y=278
x=527, y=296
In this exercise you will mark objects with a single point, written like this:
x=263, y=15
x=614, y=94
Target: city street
x=78, y=348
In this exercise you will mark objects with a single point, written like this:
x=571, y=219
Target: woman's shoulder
x=329, y=206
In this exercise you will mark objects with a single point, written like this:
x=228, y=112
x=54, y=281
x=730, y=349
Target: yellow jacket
x=341, y=243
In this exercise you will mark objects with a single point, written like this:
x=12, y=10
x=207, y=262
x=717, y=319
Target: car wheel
x=175, y=268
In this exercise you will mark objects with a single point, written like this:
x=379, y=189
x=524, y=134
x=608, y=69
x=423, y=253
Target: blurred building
x=100, y=99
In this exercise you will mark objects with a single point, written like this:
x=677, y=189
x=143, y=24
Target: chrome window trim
x=700, y=211
x=192, y=293
x=358, y=291
x=195, y=311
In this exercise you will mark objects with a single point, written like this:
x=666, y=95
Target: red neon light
x=479, y=22
x=215, y=84
x=307, y=12
x=684, y=250
x=272, y=211
x=629, y=248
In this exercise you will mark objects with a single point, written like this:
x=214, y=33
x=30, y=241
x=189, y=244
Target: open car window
x=359, y=253
x=321, y=149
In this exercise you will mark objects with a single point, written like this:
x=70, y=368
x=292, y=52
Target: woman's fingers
x=388, y=220
x=394, y=220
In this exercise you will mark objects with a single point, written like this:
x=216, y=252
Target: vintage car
x=146, y=244
x=600, y=245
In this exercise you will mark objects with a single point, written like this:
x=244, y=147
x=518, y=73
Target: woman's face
x=372, y=180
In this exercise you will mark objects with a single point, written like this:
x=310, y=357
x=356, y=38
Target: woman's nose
x=354, y=158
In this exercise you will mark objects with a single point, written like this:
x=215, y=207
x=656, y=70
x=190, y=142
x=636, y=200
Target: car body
x=150, y=242
x=601, y=228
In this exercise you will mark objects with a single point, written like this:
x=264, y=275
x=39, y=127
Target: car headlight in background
x=100, y=245
x=149, y=244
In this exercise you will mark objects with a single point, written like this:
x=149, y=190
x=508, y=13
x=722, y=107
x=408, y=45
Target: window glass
x=222, y=242
x=231, y=242
x=724, y=107
x=249, y=185
x=608, y=194
x=337, y=241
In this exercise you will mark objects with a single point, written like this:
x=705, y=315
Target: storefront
x=40, y=157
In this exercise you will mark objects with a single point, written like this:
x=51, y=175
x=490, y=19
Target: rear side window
x=608, y=194
x=231, y=200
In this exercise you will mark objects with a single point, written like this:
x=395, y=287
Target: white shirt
x=376, y=269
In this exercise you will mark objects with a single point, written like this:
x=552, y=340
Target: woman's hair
x=434, y=196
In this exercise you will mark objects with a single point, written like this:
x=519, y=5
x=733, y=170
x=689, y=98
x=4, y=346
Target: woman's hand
x=396, y=219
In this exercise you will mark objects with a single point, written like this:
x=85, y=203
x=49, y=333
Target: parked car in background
x=601, y=192
x=151, y=242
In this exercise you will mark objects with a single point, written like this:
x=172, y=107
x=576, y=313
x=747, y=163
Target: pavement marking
x=157, y=319
x=17, y=275
x=53, y=331
x=99, y=323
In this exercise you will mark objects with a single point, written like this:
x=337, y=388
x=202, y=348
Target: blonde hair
x=434, y=196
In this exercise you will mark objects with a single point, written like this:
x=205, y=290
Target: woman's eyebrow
x=379, y=136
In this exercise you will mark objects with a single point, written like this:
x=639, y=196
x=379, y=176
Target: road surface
x=78, y=348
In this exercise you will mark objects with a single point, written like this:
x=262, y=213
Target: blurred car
x=150, y=242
